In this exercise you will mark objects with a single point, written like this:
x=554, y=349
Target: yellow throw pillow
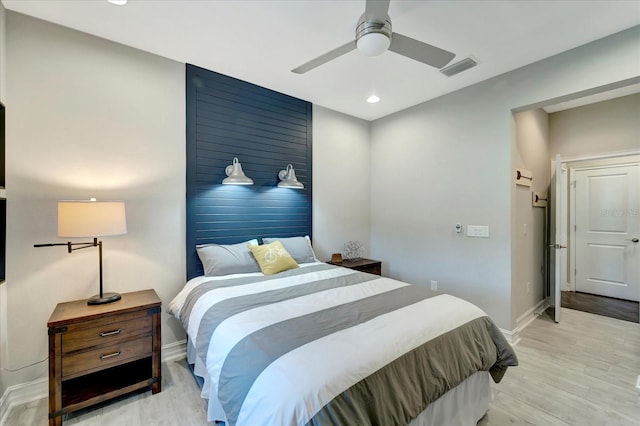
x=273, y=258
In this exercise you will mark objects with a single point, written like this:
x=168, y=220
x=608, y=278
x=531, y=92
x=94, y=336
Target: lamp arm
x=84, y=245
x=69, y=245
x=101, y=297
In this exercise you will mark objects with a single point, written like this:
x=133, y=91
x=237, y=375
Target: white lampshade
x=236, y=175
x=373, y=44
x=288, y=178
x=91, y=218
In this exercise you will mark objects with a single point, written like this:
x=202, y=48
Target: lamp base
x=106, y=298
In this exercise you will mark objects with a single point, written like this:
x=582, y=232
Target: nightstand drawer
x=104, y=331
x=106, y=356
x=369, y=266
x=371, y=269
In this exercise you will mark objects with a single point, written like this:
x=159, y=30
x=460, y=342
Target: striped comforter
x=329, y=345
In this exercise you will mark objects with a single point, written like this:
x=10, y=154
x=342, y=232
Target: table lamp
x=90, y=219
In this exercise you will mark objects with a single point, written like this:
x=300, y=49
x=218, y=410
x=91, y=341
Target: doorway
x=591, y=131
x=604, y=222
x=607, y=231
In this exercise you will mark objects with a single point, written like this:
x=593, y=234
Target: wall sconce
x=288, y=178
x=90, y=219
x=236, y=175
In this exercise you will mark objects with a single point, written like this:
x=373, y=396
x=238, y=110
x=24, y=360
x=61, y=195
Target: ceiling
x=261, y=41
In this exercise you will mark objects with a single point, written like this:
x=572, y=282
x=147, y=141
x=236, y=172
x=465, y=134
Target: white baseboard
x=527, y=318
x=32, y=391
x=174, y=351
x=513, y=336
x=21, y=394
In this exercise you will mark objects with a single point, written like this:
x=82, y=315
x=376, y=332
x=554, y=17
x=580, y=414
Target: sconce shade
x=91, y=218
x=235, y=174
x=288, y=178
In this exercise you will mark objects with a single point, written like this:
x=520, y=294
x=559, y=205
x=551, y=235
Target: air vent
x=458, y=67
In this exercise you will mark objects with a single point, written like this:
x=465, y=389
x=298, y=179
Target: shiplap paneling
x=266, y=130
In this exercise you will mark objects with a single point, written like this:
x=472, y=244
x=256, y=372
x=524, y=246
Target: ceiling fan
x=374, y=37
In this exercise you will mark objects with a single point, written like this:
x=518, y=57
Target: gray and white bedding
x=328, y=345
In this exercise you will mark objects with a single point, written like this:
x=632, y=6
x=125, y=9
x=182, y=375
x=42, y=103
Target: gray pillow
x=298, y=247
x=219, y=259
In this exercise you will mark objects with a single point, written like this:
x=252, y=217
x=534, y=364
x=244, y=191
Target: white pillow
x=225, y=259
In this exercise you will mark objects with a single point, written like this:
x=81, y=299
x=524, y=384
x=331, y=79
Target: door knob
x=633, y=240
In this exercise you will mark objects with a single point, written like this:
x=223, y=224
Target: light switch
x=481, y=231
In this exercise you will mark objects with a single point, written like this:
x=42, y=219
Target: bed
x=321, y=344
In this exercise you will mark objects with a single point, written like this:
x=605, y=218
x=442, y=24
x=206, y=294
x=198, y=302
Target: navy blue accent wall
x=266, y=130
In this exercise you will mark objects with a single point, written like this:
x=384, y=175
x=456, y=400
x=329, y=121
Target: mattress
x=328, y=345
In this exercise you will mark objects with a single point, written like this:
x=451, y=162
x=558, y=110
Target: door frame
x=570, y=260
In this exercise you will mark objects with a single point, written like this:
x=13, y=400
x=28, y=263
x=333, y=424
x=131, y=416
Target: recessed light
x=118, y=2
x=373, y=99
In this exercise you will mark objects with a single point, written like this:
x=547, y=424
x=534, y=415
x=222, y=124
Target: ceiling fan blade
x=323, y=59
x=376, y=10
x=419, y=51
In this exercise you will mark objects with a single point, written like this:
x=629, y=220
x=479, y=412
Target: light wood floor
x=579, y=372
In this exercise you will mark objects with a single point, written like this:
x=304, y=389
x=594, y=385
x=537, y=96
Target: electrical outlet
x=528, y=288
x=434, y=285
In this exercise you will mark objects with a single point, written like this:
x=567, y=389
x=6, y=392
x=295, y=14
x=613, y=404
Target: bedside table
x=364, y=265
x=99, y=352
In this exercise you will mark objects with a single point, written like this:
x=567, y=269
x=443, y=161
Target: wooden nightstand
x=102, y=351
x=365, y=265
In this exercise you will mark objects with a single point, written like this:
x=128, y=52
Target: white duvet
x=293, y=388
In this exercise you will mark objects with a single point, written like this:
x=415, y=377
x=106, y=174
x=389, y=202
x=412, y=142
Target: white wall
x=449, y=160
x=88, y=117
x=341, y=186
x=527, y=222
x=603, y=127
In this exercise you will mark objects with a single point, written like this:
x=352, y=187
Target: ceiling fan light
x=373, y=44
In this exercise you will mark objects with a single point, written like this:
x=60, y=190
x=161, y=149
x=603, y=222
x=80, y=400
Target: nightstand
x=364, y=265
x=99, y=352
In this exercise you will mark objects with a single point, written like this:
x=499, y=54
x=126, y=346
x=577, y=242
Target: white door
x=555, y=246
x=607, y=218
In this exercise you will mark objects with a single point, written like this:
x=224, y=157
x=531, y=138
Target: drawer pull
x=110, y=333
x=109, y=355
